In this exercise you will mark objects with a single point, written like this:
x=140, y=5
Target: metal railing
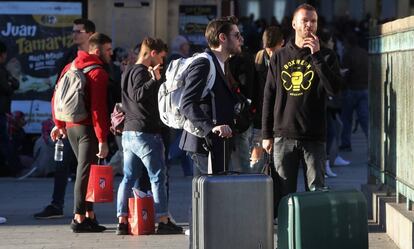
x=391, y=105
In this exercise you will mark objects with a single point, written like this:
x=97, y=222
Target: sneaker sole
x=50, y=217
x=88, y=231
x=169, y=232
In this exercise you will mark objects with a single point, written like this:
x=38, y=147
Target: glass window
x=279, y=9
x=253, y=7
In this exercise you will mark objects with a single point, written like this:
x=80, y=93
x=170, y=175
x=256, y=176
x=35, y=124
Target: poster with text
x=37, y=35
x=35, y=112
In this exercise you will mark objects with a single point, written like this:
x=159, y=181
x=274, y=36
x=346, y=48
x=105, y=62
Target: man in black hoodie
x=294, y=108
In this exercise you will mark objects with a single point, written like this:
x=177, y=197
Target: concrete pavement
x=19, y=200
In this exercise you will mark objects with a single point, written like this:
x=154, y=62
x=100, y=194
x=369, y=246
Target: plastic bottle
x=59, y=150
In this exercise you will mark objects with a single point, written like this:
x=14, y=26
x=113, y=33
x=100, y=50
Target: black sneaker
x=169, y=228
x=122, y=229
x=85, y=227
x=95, y=224
x=49, y=212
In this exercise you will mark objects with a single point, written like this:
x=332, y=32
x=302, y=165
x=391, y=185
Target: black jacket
x=356, y=60
x=140, y=100
x=261, y=66
x=198, y=109
x=294, y=104
x=8, y=85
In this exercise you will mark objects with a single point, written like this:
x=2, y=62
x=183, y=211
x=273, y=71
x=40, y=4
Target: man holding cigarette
x=294, y=109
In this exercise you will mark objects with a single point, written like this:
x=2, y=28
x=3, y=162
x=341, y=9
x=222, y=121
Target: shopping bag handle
x=269, y=157
x=101, y=161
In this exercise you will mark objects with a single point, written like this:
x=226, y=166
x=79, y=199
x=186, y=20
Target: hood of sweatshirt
x=84, y=60
x=297, y=51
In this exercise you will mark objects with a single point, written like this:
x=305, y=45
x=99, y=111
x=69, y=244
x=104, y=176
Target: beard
x=235, y=50
x=308, y=33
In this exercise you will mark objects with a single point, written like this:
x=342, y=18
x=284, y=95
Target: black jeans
x=288, y=154
x=63, y=170
x=85, y=146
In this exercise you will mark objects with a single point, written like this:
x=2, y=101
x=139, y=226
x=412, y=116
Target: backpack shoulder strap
x=211, y=77
x=72, y=66
x=90, y=68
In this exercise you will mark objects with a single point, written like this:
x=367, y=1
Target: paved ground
x=20, y=199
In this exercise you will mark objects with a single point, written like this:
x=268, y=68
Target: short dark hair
x=272, y=36
x=3, y=47
x=149, y=44
x=87, y=24
x=304, y=6
x=98, y=39
x=218, y=26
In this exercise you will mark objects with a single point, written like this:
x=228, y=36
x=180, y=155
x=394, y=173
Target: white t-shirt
x=222, y=66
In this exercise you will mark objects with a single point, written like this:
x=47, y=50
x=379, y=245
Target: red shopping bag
x=100, y=184
x=141, y=215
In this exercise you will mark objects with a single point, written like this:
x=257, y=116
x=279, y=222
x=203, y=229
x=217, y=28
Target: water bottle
x=59, y=150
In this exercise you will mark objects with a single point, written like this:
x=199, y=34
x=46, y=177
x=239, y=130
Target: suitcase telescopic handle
x=226, y=171
x=229, y=173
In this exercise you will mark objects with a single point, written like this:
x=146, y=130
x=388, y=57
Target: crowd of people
x=302, y=80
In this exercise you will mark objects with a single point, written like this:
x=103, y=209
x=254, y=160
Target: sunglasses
x=237, y=35
x=78, y=31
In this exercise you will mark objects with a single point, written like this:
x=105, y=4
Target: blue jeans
x=143, y=149
x=354, y=100
x=240, y=157
x=333, y=134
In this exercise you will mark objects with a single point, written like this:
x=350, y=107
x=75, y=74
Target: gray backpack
x=170, y=92
x=69, y=100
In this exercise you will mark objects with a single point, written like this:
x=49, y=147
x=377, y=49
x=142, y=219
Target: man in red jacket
x=88, y=137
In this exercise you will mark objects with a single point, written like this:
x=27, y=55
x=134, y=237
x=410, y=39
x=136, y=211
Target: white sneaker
x=187, y=232
x=339, y=161
x=3, y=220
x=328, y=170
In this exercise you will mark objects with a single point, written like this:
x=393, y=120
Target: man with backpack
x=211, y=114
x=85, y=123
x=81, y=31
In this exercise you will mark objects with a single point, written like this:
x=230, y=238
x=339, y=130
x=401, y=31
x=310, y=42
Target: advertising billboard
x=37, y=35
